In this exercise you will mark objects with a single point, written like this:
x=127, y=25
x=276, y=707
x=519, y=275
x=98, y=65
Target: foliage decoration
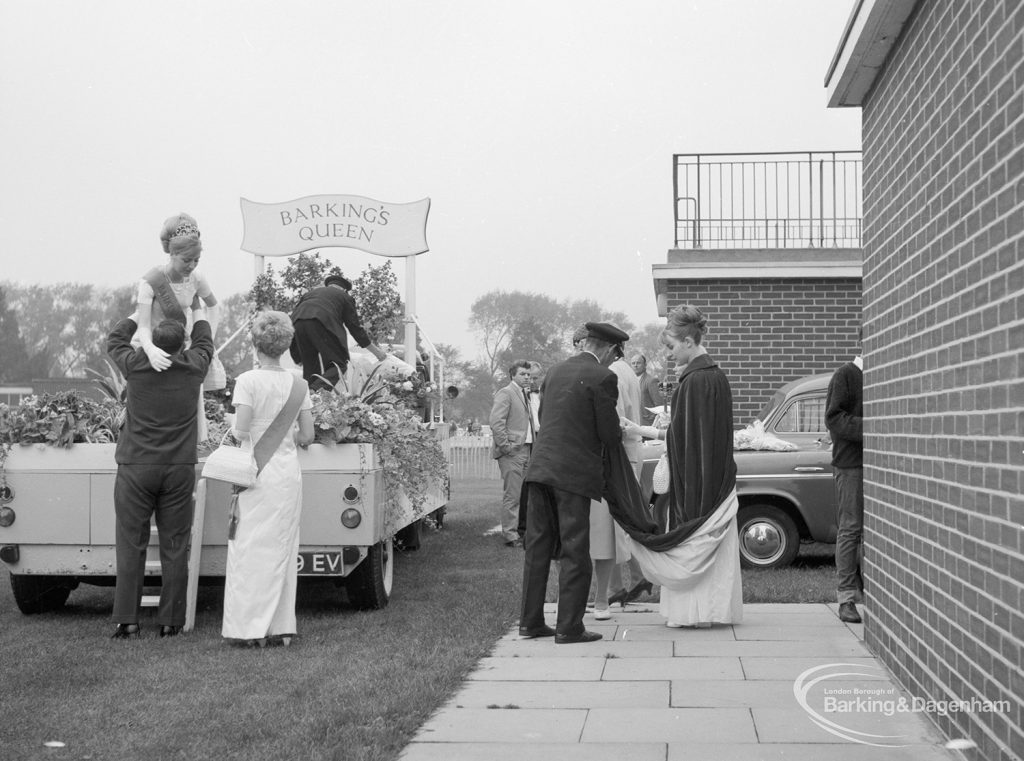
x=60, y=420
x=383, y=413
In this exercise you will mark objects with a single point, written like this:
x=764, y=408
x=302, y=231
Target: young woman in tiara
x=180, y=239
x=169, y=291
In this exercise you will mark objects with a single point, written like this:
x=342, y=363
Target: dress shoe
x=848, y=613
x=619, y=597
x=701, y=625
x=514, y=543
x=573, y=639
x=527, y=633
x=602, y=614
x=170, y=631
x=637, y=590
x=126, y=631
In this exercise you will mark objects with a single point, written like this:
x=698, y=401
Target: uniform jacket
x=335, y=309
x=509, y=420
x=161, y=426
x=578, y=420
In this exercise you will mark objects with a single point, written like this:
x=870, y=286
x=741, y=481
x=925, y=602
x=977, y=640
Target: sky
x=542, y=131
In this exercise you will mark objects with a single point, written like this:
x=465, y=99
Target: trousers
x=849, y=483
x=142, y=492
x=555, y=517
x=512, y=467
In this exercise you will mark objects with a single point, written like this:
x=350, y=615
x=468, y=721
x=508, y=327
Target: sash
x=164, y=294
x=272, y=437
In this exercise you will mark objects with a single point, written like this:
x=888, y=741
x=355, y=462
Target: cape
x=700, y=451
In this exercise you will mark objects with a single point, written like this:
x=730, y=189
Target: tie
x=529, y=415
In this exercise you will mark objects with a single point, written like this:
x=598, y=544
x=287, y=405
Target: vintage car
x=785, y=496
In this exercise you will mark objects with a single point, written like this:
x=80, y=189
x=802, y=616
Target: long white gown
x=700, y=579
x=262, y=575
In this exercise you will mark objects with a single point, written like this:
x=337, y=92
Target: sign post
x=344, y=221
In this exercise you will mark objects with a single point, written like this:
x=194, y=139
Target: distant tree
x=527, y=321
x=14, y=367
x=516, y=325
x=65, y=326
x=235, y=312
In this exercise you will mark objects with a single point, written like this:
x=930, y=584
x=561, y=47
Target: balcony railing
x=768, y=200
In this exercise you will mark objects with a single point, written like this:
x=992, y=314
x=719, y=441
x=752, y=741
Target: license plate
x=320, y=563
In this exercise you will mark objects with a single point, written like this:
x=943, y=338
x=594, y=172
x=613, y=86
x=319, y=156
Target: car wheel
x=768, y=537
x=40, y=594
x=369, y=584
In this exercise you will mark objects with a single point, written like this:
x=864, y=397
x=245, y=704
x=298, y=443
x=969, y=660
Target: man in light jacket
x=512, y=438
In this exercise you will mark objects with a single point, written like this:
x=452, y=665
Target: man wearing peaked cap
x=579, y=420
x=605, y=331
x=320, y=343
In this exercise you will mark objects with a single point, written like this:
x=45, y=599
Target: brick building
x=941, y=87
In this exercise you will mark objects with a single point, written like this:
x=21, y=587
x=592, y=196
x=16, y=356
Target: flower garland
x=383, y=414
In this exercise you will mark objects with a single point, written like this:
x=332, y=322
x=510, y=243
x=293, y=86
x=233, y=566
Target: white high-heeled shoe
x=602, y=614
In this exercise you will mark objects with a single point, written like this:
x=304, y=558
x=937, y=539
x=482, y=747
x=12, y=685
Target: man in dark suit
x=320, y=343
x=566, y=472
x=156, y=466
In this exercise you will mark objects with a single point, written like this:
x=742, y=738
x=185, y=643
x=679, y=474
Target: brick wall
x=944, y=341
x=766, y=332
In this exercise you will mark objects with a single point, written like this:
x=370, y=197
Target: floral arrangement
x=383, y=414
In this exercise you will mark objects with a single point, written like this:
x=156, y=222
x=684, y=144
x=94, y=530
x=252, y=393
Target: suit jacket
x=161, y=425
x=335, y=309
x=650, y=396
x=509, y=420
x=579, y=421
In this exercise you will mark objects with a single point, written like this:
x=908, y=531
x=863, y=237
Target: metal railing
x=767, y=200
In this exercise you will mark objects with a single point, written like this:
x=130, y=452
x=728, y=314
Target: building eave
x=869, y=36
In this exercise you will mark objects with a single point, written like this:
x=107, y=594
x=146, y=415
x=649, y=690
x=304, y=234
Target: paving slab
x=648, y=694
x=837, y=648
x=718, y=693
x=672, y=668
x=794, y=725
x=802, y=752
x=662, y=632
x=695, y=725
x=542, y=669
x=753, y=691
x=755, y=667
x=644, y=751
x=546, y=648
x=503, y=725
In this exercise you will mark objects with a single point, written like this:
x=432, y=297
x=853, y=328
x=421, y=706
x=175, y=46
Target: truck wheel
x=369, y=584
x=768, y=537
x=40, y=594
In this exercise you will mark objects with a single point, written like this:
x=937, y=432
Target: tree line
x=60, y=330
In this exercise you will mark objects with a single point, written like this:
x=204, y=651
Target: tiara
x=186, y=229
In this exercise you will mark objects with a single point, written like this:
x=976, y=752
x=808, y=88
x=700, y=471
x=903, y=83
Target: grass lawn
x=354, y=685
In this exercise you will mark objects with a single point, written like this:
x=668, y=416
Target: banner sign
x=285, y=229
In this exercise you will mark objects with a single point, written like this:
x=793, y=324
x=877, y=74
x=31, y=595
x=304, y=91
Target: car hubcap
x=762, y=542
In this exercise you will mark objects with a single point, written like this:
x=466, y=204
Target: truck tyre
x=40, y=594
x=768, y=537
x=369, y=585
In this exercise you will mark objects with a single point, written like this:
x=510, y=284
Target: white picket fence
x=470, y=457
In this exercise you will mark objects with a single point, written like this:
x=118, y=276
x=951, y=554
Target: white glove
x=158, y=358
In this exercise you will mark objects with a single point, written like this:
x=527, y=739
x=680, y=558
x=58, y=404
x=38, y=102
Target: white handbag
x=662, y=478
x=232, y=464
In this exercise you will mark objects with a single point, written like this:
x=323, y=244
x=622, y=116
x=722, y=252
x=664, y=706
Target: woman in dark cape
x=697, y=559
